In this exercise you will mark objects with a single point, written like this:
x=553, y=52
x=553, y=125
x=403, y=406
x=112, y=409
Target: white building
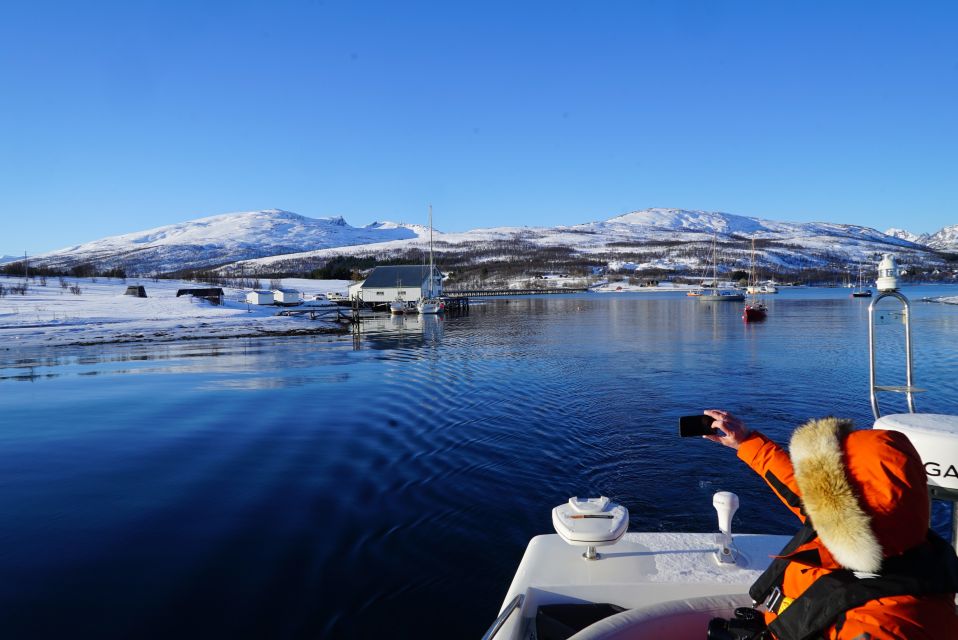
x=285, y=296
x=385, y=284
x=259, y=297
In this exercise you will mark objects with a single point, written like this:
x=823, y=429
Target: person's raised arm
x=766, y=458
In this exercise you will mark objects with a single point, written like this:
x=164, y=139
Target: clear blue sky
x=120, y=116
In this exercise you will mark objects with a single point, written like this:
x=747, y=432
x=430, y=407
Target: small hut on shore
x=136, y=290
x=259, y=297
x=213, y=294
x=285, y=296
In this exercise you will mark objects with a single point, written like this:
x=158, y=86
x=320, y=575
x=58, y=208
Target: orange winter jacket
x=901, y=495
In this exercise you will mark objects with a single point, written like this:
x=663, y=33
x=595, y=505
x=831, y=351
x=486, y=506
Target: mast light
x=887, y=273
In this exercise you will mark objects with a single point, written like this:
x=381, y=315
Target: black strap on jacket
x=773, y=577
x=930, y=568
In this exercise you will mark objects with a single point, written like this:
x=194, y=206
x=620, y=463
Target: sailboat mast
x=715, y=261
x=432, y=278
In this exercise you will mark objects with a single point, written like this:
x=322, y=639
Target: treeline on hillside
x=334, y=268
x=497, y=262
x=353, y=267
x=24, y=269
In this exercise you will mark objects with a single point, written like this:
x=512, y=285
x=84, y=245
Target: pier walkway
x=491, y=293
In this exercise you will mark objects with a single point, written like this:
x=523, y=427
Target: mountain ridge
x=214, y=240
x=261, y=240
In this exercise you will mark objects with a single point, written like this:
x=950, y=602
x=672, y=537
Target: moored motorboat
x=430, y=305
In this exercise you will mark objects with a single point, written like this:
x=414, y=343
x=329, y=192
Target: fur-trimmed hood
x=865, y=491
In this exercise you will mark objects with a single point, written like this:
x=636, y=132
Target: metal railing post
x=909, y=389
x=515, y=603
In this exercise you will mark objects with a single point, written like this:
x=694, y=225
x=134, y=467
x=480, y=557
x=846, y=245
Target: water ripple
x=319, y=487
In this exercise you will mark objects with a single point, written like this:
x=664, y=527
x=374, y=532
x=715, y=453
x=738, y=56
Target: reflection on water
x=399, y=331
x=384, y=482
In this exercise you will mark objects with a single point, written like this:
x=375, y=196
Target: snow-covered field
x=52, y=315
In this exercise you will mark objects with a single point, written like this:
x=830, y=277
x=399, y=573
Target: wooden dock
x=453, y=305
x=331, y=313
x=493, y=293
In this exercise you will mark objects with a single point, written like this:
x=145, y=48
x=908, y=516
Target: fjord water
x=385, y=484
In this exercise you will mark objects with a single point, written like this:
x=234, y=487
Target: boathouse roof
x=401, y=276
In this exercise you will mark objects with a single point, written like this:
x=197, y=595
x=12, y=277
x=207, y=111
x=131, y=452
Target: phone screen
x=700, y=425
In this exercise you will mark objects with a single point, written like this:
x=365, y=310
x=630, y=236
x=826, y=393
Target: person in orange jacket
x=865, y=565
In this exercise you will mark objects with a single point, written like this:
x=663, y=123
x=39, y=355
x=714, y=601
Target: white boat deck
x=640, y=570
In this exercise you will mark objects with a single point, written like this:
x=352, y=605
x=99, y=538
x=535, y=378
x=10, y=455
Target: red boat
x=754, y=311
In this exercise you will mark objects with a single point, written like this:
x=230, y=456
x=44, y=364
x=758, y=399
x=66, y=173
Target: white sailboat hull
x=429, y=307
x=721, y=296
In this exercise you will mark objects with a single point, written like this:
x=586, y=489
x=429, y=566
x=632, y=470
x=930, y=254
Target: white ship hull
x=672, y=576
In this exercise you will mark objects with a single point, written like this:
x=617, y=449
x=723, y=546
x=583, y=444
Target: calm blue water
x=379, y=485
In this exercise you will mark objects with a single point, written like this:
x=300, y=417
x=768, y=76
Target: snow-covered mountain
x=670, y=239
x=5, y=259
x=220, y=239
x=903, y=235
x=654, y=222
x=678, y=237
x=944, y=240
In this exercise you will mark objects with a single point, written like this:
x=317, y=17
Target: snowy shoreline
x=53, y=315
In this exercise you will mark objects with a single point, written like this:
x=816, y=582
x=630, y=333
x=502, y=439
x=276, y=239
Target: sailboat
x=431, y=304
x=755, y=309
x=713, y=293
x=861, y=291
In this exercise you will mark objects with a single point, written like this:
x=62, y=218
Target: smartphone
x=700, y=425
